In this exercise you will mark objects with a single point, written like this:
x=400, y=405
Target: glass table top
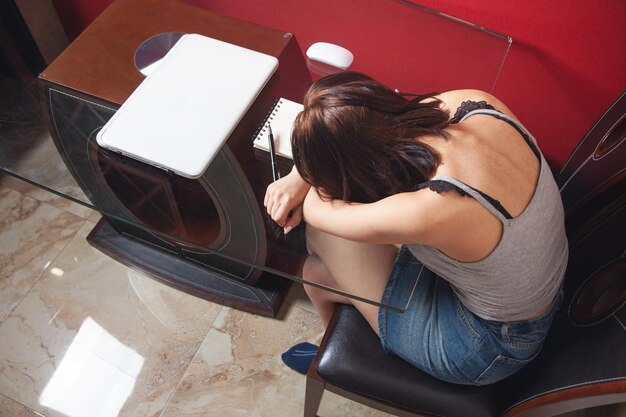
x=47, y=138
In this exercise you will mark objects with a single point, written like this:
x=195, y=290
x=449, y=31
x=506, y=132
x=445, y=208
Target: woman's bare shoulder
x=452, y=100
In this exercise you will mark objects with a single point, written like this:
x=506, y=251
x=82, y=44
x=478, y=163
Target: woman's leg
x=356, y=268
x=324, y=301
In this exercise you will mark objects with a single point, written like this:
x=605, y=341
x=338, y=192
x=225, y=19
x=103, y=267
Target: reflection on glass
x=153, y=50
x=174, y=205
x=95, y=377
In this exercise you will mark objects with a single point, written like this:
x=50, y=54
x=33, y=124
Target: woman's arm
x=284, y=198
x=401, y=218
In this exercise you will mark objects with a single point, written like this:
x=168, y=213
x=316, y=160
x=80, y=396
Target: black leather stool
x=583, y=361
x=351, y=363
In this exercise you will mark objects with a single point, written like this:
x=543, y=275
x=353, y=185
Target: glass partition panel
x=421, y=50
x=214, y=230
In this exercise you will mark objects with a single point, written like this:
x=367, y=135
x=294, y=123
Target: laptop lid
x=182, y=113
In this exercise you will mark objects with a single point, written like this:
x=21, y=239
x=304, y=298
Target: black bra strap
x=440, y=186
x=530, y=143
x=469, y=106
x=464, y=109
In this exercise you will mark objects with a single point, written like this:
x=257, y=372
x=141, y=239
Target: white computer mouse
x=330, y=54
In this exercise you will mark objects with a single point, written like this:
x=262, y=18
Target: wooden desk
x=207, y=236
x=100, y=62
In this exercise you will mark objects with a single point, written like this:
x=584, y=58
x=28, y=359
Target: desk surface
x=100, y=61
x=87, y=83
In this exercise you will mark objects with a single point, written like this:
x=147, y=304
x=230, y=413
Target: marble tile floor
x=82, y=335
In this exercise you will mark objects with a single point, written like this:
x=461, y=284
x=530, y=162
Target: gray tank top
x=524, y=272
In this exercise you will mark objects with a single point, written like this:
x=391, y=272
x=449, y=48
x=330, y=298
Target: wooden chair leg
x=315, y=384
x=313, y=396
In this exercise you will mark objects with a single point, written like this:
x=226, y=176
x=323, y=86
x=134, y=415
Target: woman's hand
x=284, y=198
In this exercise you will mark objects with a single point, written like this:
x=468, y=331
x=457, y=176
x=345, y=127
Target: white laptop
x=182, y=113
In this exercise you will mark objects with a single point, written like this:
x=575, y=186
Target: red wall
x=566, y=65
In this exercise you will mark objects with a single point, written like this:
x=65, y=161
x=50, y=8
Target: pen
x=275, y=173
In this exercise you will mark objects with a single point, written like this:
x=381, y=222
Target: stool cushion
x=353, y=359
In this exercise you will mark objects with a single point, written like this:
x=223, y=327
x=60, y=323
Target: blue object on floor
x=300, y=356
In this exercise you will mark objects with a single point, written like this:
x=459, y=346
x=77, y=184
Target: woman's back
x=503, y=249
x=489, y=155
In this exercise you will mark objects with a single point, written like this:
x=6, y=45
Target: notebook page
x=281, y=118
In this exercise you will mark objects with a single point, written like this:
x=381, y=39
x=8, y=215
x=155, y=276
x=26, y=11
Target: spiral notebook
x=281, y=117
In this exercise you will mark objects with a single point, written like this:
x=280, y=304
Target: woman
x=459, y=216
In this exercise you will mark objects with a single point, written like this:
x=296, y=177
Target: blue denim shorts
x=440, y=336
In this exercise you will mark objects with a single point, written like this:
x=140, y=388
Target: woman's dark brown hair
x=355, y=140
